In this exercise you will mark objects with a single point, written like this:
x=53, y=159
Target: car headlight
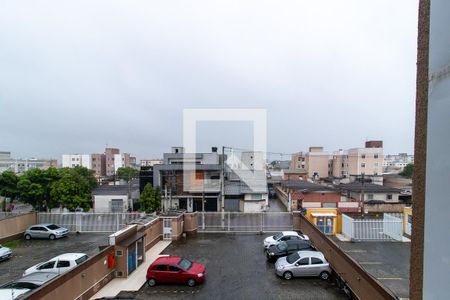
x=200, y=274
x=271, y=253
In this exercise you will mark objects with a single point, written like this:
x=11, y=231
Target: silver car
x=31, y=281
x=5, y=253
x=45, y=231
x=303, y=263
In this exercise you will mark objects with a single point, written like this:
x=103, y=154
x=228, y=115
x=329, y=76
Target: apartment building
x=110, y=167
x=316, y=162
x=150, y=162
x=76, y=160
x=396, y=163
x=341, y=164
x=357, y=161
x=189, y=181
x=21, y=165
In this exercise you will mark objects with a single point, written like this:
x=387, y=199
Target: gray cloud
x=75, y=76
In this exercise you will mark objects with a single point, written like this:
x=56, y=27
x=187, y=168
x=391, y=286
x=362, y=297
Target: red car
x=175, y=269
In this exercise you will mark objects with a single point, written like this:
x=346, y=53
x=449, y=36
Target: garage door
x=232, y=204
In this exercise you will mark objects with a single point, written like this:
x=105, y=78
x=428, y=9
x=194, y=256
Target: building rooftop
x=368, y=187
x=306, y=186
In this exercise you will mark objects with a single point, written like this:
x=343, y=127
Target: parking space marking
x=356, y=251
x=390, y=278
x=370, y=263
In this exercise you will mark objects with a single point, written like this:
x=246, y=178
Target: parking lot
x=386, y=261
x=236, y=268
x=28, y=253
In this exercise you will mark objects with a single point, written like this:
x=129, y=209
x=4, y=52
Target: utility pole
x=362, y=190
x=222, y=189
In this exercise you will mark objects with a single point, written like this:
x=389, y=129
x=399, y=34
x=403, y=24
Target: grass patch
x=11, y=244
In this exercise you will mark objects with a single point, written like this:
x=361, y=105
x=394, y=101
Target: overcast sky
x=76, y=76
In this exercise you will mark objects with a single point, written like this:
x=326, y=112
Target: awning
x=323, y=214
x=130, y=240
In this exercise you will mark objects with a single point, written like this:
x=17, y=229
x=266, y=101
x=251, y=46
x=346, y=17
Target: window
x=304, y=261
x=63, y=264
x=47, y=265
x=256, y=197
x=389, y=196
x=363, y=165
x=369, y=196
x=363, y=156
x=316, y=261
x=160, y=268
x=375, y=156
x=81, y=259
x=174, y=269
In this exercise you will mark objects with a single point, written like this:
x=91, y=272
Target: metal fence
x=89, y=222
x=244, y=222
x=387, y=229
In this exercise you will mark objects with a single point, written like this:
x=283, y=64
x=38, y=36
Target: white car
x=283, y=236
x=12, y=294
x=59, y=264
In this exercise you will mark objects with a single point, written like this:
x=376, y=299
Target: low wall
x=384, y=208
x=191, y=223
x=79, y=283
x=282, y=196
x=14, y=226
x=362, y=284
x=153, y=233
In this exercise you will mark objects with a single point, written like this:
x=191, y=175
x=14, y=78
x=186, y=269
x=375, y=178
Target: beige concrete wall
x=190, y=223
x=317, y=163
x=153, y=233
x=177, y=227
x=13, y=227
x=388, y=208
x=79, y=283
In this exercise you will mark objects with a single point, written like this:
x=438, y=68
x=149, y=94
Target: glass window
x=63, y=264
x=81, y=259
x=304, y=261
x=292, y=258
x=389, y=196
x=185, y=263
x=160, y=268
x=53, y=227
x=47, y=265
x=174, y=269
x=316, y=261
x=282, y=246
x=277, y=236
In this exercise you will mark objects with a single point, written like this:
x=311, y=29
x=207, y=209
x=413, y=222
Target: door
x=175, y=274
x=47, y=267
x=167, y=229
x=197, y=205
x=211, y=204
x=302, y=267
x=182, y=204
x=316, y=266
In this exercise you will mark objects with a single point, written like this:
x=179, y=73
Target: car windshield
x=53, y=227
x=292, y=258
x=277, y=236
x=185, y=263
x=282, y=246
x=21, y=285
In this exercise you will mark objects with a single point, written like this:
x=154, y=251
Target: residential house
x=189, y=181
x=115, y=198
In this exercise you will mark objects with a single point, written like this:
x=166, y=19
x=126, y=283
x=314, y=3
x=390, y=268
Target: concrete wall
x=154, y=233
x=177, y=227
x=79, y=283
x=386, y=207
x=102, y=204
x=13, y=227
x=190, y=223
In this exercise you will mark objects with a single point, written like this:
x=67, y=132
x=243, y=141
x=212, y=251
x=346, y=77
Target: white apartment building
x=74, y=160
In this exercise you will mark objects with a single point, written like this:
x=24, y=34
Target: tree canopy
x=408, y=171
x=69, y=187
x=127, y=173
x=150, y=199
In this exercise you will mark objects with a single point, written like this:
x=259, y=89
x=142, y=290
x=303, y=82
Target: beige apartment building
x=341, y=164
x=316, y=162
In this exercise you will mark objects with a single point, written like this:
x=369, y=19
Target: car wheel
x=27, y=237
x=324, y=275
x=52, y=236
x=151, y=282
x=191, y=282
x=287, y=275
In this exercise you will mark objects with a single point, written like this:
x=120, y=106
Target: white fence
x=387, y=229
x=89, y=222
x=244, y=222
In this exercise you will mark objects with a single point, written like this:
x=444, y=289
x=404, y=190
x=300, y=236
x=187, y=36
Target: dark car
x=286, y=248
x=175, y=269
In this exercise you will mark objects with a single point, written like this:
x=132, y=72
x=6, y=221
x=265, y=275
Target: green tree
x=408, y=171
x=30, y=192
x=150, y=199
x=73, y=188
x=127, y=173
x=8, y=184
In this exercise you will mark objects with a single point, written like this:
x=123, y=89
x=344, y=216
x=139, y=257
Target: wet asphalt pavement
x=29, y=253
x=236, y=268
